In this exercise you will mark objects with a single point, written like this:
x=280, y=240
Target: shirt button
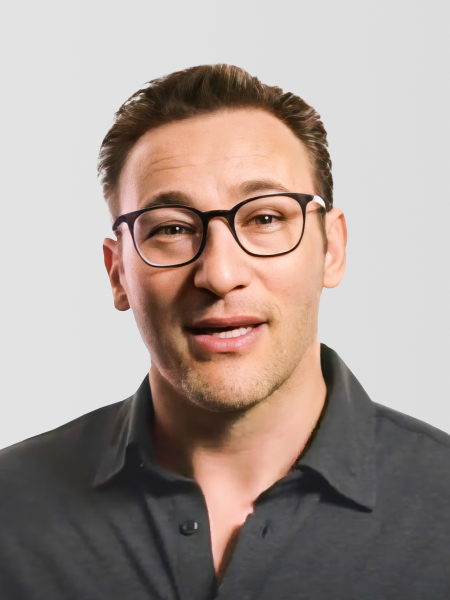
x=189, y=527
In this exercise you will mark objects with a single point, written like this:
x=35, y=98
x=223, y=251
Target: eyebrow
x=245, y=188
x=168, y=198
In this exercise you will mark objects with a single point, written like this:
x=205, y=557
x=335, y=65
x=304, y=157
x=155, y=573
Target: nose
x=222, y=266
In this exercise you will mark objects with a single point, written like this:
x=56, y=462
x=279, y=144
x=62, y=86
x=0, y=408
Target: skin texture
x=234, y=421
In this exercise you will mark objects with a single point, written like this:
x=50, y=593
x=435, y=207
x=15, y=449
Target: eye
x=265, y=219
x=174, y=229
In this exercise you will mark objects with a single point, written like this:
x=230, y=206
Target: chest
x=225, y=530
x=293, y=546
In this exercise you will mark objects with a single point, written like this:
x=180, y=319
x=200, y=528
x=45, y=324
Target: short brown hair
x=201, y=90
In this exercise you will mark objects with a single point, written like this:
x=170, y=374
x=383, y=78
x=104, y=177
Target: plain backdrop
x=378, y=74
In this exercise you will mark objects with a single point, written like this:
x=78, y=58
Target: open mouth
x=236, y=333
x=225, y=332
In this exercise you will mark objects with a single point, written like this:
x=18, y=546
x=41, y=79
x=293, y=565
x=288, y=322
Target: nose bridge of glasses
x=226, y=216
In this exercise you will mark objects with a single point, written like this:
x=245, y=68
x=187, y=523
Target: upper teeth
x=232, y=333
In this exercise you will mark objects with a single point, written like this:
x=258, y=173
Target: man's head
x=213, y=137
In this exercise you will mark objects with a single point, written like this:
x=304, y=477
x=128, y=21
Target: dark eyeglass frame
x=228, y=215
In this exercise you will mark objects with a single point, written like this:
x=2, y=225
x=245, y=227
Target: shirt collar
x=131, y=426
x=342, y=450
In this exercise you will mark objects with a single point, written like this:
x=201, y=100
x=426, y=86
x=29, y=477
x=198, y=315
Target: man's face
x=217, y=161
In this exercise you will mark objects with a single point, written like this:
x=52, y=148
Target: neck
x=248, y=450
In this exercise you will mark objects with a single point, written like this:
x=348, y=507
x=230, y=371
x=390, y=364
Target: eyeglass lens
x=265, y=226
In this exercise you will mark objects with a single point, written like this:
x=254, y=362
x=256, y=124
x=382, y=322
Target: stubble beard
x=236, y=389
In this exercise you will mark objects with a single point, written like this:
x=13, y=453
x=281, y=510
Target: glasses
x=175, y=235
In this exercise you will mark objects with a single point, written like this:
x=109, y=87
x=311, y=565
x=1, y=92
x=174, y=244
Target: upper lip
x=231, y=321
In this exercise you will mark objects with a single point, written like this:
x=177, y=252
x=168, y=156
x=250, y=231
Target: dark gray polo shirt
x=86, y=513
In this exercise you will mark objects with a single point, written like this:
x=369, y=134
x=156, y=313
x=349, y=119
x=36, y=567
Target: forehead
x=209, y=157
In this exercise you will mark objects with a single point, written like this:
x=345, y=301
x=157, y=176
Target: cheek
x=152, y=295
x=295, y=279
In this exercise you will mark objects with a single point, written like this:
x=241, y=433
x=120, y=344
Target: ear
x=334, y=266
x=113, y=261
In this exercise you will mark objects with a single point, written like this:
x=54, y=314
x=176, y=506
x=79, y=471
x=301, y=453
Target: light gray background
x=378, y=73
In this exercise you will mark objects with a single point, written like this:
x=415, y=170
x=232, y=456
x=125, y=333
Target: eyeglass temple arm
x=121, y=219
x=319, y=201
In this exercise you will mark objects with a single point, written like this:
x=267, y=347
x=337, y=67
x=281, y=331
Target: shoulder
x=413, y=462
x=66, y=451
x=46, y=494
x=408, y=434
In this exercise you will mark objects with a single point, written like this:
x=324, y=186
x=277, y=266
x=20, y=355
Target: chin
x=230, y=390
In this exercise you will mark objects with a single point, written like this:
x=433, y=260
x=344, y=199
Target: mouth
x=232, y=334
x=224, y=332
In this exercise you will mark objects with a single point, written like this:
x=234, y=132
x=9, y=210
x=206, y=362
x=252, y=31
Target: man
x=250, y=463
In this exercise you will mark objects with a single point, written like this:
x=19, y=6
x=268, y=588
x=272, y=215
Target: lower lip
x=213, y=344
